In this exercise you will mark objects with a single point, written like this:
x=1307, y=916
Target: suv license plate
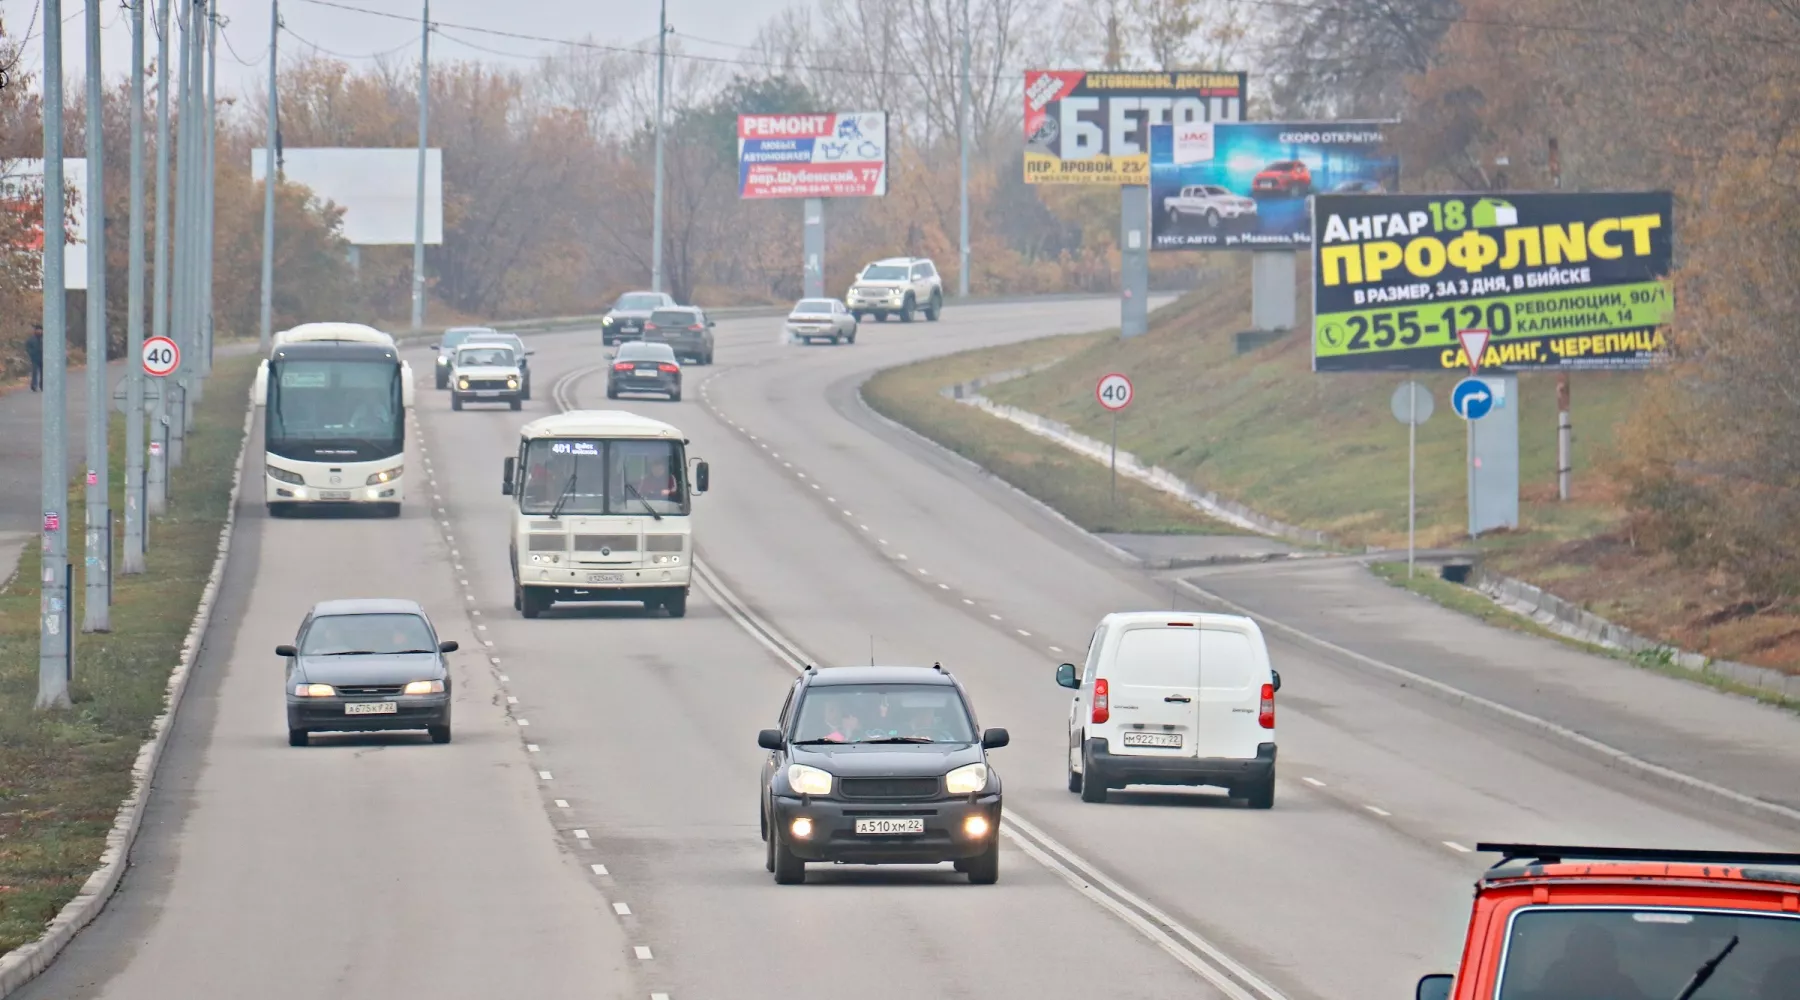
x=334, y=495
x=890, y=827
x=1170, y=740
x=371, y=708
x=606, y=578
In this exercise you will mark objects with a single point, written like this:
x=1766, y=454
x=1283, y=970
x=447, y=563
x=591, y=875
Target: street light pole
x=266, y=329
x=53, y=610
x=962, y=129
x=156, y=485
x=134, y=318
x=662, y=58
x=209, y=166
x=96, y=614
x=177, y=384
x=418, y=289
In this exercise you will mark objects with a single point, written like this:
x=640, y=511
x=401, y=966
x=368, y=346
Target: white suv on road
x=897, y=286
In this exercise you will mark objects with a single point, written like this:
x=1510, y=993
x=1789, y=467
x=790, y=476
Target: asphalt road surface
x=592, y=831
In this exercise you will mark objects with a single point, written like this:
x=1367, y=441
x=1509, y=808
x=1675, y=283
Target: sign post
x=1412, y=406
x=1114, y=392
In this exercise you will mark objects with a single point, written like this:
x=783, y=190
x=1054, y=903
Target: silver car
x=821, y=319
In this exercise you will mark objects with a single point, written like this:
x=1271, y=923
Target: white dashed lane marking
x=562, y=803
x=598, y=869
x=621, y=909
x=1316, y=783
x=1377, y=810
x=642, y=952
x=545, y=775
x=1458, y=848
x=581, y=835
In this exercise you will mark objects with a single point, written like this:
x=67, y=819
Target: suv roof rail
x=939, y=667
x=1548, y=854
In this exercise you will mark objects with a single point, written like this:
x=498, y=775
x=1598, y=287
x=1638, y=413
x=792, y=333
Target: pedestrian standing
x=34, y=352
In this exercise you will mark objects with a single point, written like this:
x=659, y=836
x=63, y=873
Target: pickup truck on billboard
x=841, y=155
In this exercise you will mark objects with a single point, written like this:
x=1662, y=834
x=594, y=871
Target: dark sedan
x=880, y=766
x=625, y=320
x=644, y=367
x=367, y=666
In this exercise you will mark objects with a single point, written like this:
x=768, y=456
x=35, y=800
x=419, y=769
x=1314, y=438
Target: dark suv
x=880, y=765
x=686, y=330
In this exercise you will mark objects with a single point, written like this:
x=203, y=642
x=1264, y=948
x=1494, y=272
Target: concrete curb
x=25, y=963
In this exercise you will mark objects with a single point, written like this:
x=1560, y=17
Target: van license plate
x=606, y=578
x=334, y=495
x=890, y=827
x=371, y=708
x=1170, y=740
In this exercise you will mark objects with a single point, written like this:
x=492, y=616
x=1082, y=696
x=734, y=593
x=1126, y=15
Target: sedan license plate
x=890, y=827
x=1170, y=740
x=334, y=495
x=371, y=708
x=645, y=374
x=606, y=578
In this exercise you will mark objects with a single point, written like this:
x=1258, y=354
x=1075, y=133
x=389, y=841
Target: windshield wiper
x=1705, y=972
x=808, y=743
x=346, y=652
x=640, y=499
x=399, y=652
x=568, y=491
x=901, y=739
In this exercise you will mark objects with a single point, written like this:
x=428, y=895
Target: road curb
x=25, y=963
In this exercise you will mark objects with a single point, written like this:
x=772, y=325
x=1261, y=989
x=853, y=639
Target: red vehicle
x=1608, y=923
x=1284, y=177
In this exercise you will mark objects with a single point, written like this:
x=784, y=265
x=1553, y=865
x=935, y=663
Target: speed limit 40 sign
x=161, y=357
x=1113, y=392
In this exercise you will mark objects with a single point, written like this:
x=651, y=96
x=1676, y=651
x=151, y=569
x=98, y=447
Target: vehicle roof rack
x=1549, y=855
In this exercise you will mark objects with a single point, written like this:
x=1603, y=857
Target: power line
x=342, y=55
x=233, y=49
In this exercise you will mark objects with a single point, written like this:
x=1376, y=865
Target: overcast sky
x=359, y=36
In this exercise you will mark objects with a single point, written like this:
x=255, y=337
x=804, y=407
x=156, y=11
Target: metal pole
x=962, y=129
x=1115, y=457
x=53, y=609
x=266, y=329
x=1565, y=438
x=194, y=181
x=134, y=313
x=418, y=296
x=97, y=597
x=156, y=478
x=656, y=229
x=209, y=165
x=181, y=203
x=1412, y=474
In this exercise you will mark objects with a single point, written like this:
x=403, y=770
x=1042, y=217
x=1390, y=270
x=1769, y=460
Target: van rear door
x=1154, y=682
x=1232, y=671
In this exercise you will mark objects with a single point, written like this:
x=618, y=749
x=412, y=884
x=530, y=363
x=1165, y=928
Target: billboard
x=376, y=188
x=1094, y=127
x=841, y=155
x=1244, y=185
x=22, y=191
x=1559, y=280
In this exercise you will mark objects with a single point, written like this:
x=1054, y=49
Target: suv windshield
x=453, y=337
x=1624, y=954
x=470, y=357
x=348, y=635
x=862, y=713
x=585, y=476
x=885, y=272
x=640, y=300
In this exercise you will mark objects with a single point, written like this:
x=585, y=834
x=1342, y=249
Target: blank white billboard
x=22, y=188
x=376, y=188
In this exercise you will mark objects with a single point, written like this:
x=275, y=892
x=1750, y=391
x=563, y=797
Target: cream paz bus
x=602, y=511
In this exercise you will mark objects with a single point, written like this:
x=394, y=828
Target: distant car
x=625, y=320
x=485, y=372
x=821, y=319
x=1284, y=177
x=367, y=665
x=513, y=341
x=880, y=765
x=446, y=346
x=643, y=366
x=685, y=329
x=1359, y=187
x=1208, y=202
x=897, y=286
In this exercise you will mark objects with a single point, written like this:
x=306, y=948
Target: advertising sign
x=378, y=189
x=841, y=155
x=22, y=192
x=1244, y=185
x=1094, y=128
x=1560, y=280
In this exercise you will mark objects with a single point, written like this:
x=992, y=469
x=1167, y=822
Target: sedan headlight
x=424, y=687
x=385, y=476
x=966, y=780
x=314, y=691
x=806, y=780
x=284, y=476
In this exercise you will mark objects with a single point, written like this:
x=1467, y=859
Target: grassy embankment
x=1323, y=451
x=64, y=774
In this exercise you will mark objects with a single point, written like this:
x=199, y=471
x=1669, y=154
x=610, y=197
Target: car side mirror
x=994, y=739
x=529, y=353
x=702, y=477
x=769, y=739
x=1434, y=987
x=448, y=646
x=1065, y=675
x=437, y=347
x=506, y=476
x=1275, y=679
x=285, y=651
x=711, y=323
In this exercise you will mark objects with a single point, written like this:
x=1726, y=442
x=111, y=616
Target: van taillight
x=1267, y=715
x=1102, y=711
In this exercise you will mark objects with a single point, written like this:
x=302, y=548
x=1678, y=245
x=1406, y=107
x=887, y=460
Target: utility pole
x=962, y=130
x=96, y=615
x=1565, y=427
x=156, y=478
x=265, y=331
x=134, y=318
x=656, y=232
x=54, y=659
x=177, y=384
x=418, y=296
x=209, y=164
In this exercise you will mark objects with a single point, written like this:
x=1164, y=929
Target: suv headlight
x=385, y=476
x=806, y=780
x=606, y=321
x=283, y=475
x=512, y=382
x=424, y=687
x=966, y=780
x=462, y=383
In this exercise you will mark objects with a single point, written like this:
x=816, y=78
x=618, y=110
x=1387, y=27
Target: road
x=597, y=836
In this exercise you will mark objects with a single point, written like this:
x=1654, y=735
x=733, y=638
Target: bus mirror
x=702, y=477
x=506, y=481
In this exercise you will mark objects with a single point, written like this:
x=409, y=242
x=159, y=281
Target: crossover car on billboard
x=1284, y=177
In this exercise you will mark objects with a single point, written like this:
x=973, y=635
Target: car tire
x=439, y=734
x=675, y=397
x=709, y=357
x=516, y=404
x=455, y=401
x=1212, y=218
x=1261, y=795
x=443, y=380
x=518, y=599
x=530, y=605
x=390, y=510
x=527, y=393
x=1174, y=218
x=297, y=737
x=1074, y=775
x=612, y=393
x=857, y=316
x=788, y=869
x=881, y=317
x=984, y=868
x=278, y=510
x=906, y=309
x=936, y=308
x=852, y=338
x=676, y=604
x=1093, y=783
x=836, y=340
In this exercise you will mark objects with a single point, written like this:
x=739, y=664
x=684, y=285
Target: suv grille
x=889, y=788
x=487, y=383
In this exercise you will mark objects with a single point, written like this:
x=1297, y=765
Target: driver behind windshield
x=656, y=482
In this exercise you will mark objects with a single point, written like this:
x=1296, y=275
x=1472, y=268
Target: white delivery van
x=1173, y=698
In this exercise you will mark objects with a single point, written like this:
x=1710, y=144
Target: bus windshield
x=340, y=408
x=590, y=476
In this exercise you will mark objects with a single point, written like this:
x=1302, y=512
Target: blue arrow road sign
x=1472, y=399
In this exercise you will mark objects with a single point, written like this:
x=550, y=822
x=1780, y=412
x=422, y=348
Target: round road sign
x=1113, y=392
x=1411, y=403
x=161, y=357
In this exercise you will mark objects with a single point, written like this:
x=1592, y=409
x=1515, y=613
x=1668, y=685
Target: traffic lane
x=279, y=872
x=646, y=729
